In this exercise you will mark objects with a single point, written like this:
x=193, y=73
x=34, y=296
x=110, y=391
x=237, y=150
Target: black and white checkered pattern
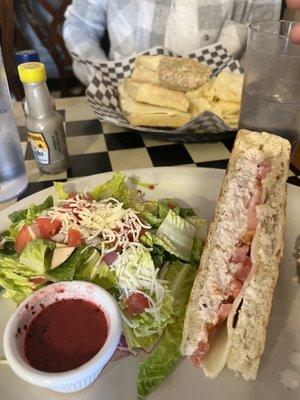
x=96, y=148
x=102, y=93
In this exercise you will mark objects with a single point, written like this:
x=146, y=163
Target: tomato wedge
x=135, y=304
x=74, y=238
x=48, y=227
x=23, y=238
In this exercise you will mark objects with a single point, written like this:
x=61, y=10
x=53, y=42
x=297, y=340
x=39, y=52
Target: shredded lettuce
x=164, y=357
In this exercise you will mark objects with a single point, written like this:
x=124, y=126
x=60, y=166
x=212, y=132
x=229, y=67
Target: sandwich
x=173, y=73
x=229, y=307
x=142, y=114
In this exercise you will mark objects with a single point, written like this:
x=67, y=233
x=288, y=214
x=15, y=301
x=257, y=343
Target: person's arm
x=233, y=35
x=83, y=29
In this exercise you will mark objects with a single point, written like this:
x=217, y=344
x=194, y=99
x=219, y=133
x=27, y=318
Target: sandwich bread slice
x=157, y=96
x=229, y=307
x=173, y=73
x=142, y=114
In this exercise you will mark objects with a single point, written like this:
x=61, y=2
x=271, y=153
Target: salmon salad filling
x=231, y=261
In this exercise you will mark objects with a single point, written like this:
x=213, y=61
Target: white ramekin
x=75, y=379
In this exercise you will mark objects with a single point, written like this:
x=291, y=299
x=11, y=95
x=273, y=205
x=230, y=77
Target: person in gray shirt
x=180, y=25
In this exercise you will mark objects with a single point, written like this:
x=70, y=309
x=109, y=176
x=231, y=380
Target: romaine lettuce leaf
x=197, y=250
x=145, y=331
x=15, y=279
x=118, y=188
x=7, y=247
x=155, y=211
x=158, y=255
x=89, y=269
x=200, y=225
x=176, y=235
x=37, y=255
x=163, y=359
x=139, y=182
x=32, y=211
x=60, y=192
x=66, y=271
x=165, y=205
x=135, y=271
x=17, y=286
x=25, y=217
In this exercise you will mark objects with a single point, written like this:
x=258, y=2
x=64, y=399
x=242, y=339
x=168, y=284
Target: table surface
x=96, y=148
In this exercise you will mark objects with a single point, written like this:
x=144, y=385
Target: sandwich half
x=229, y=307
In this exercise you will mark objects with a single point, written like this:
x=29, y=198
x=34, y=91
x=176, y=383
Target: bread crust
x=142, y=114
x=247, y=340
x=249, y=336
x=173, y=73
x=157, y=96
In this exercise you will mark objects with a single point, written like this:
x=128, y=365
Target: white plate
x=199, y=188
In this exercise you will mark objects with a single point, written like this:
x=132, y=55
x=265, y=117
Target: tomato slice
x=74, y=238
x=199, y=353
x=48, y=227
x=23, y=238
x=135, y=304
x=244, y=271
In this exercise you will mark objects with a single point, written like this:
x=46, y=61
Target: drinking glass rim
x=254, y=28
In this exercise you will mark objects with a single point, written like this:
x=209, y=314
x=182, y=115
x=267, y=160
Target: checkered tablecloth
x=96, y=148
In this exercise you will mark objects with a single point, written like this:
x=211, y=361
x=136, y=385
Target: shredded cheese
x=103, y=224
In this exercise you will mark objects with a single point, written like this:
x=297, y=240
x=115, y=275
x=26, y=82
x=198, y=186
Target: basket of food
x=170, y=97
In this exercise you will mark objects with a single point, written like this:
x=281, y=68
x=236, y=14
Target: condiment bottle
x=45, y=126
x=21, y=57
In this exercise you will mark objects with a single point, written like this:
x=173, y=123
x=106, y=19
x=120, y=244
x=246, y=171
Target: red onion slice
x=110, y=258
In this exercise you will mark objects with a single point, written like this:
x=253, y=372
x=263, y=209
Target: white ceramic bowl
x=75, y=379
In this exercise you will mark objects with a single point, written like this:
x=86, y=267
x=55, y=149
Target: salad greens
x=160, y=363
x=25, y=217
x=144, y=252
x=37, y=255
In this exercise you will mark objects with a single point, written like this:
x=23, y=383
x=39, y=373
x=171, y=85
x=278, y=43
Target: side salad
x=144, y=252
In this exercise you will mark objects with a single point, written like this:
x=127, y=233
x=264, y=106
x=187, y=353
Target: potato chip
x=228, y=87
x=221, y=95
x=198, y=106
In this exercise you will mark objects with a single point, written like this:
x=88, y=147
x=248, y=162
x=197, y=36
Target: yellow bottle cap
x=32, y=72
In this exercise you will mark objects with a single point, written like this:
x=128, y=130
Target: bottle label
x=39, y=147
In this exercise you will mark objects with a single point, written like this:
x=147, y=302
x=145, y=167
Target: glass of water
x=271, y=91
x=13, y=179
